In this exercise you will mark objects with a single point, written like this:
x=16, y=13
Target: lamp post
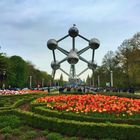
x=50, y=83
x=42, y=82
x=3, y=78
x=92, y=82
x=111, y=78
x=98, y=80
x=30, y=85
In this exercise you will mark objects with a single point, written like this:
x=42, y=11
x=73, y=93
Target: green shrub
x=16, y=132
x=33, y=104
x=82, y=129
x=11, y=120
x=45, y=132
x=5, y=108
x=6, y=112
x=25, y=128
x=54, y=136
x=25, y=100
x=7, y=136
x=1, y=104
x=96, y=117
x=71, y=138
x=109, y=139
x=13, y=100
x=6, y=130
x=29, y=135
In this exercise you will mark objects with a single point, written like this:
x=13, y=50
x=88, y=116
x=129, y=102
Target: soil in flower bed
x=25, y=107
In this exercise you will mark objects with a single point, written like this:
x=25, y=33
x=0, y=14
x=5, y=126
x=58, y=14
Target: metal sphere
x=92, y=65
x=72, y=57
x=73, y=31
x=94, y=43
x=55, y=65
x=52, y=44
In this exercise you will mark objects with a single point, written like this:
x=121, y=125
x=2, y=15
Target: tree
x=38, y=77
x=3, y=68
x=3, y=61
x=109, y=62
x=88, y=80
x=125, y=63
x=18, y=72
x=129, y=59
x=101, y=72
x=61, y=80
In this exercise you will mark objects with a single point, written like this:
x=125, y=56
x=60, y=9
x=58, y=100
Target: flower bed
x=92, y=103
x=14, y=92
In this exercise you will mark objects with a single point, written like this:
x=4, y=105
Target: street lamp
x=50, y=83
x=42, y=82
x=30, y=85
x=111, y=78
x=98, y=80
x=4, y=77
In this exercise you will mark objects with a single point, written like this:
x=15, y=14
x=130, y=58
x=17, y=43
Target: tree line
x=124, y=63
x=18, y=73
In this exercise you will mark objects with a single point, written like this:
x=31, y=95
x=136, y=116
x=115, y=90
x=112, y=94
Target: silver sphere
x=72, y=57
x=52, y=44
x=94, y=43
x=55, y=65
x=73, y=31
x=92, y=65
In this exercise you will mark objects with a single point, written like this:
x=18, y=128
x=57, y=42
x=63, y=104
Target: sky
x=27, y=25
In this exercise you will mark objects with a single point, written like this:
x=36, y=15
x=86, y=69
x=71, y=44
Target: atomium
x=52, y=44
x=74, y=55
x=55, y=65
x=94, y=43
x=92, y=65
x=73, y=31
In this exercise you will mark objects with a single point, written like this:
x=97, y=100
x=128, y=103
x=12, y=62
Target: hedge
x=77, y=128
x=17, y=103
x=21, y=99
x=72, y=116
x=6, y=112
